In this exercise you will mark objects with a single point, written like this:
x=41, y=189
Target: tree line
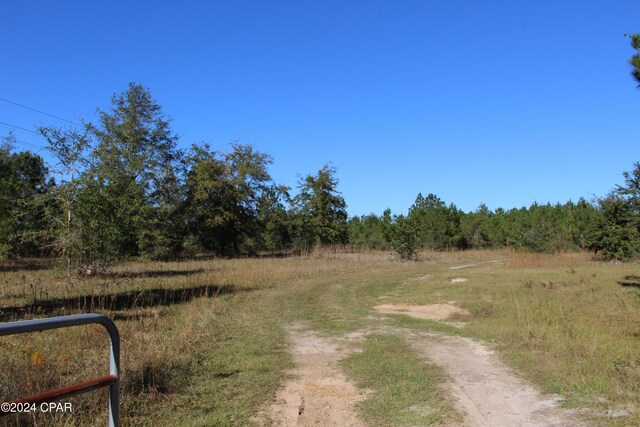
x=608, y=226
x=124, y=189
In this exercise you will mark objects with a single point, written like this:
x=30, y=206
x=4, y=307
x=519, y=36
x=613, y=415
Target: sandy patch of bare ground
x=484, y=389
x=487, y=391
x=475, y=264
x=319, y=394
x=431, y=311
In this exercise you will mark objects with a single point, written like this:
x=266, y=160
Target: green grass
x=242, y=357
x=194, y=358
x=563, y=321
x=187, y=360
x=406, y=389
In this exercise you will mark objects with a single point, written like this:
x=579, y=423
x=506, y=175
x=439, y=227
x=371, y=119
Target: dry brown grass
x=170, y=316
x=568, y=321
x=541, y=260
x=203, y=340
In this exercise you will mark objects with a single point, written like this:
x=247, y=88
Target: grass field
x=205, y=342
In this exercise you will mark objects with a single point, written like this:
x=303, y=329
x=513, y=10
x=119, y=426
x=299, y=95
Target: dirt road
x=483, y=389
x=486, y=392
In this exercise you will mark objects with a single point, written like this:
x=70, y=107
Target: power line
x=19, y=141
x=23, y=142
x=41, y=112
x=18, y=127
x=28, y=144
x=56, y=52
x=62, y=55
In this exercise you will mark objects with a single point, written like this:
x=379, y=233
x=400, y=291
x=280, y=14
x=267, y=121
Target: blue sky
x=501, y=102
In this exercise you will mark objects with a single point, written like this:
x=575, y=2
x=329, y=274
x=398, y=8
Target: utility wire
x=18, y=127
x=19, y=141
x=28, y=144
x=41, y=112
x=22, y=142
x=56, y=52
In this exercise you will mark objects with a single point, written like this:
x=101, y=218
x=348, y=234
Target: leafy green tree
x=70, y=148
x=355, y=231
x=135, y=149
x=635, y=59
x=165, y=219
x=23, y=177
x=631, y=190
x=386, y=227
x=114, y=185
x=616, y=236
x=370, y=231
x=405, y=238
x=537, y=235
x=438, y=225
x=209, y=200
x=618, y=233
x=585, y=217
x=320, y=210
x=274, y=218
x=223, y=196
x=477, y=226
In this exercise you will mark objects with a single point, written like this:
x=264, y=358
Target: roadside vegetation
x=407, y=390
x=121, y=188
x=205, y=263
x=205, y=342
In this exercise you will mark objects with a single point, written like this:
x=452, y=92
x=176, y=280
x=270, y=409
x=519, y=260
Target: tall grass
x=563, y=320
x=203, y=341
x=175, y=319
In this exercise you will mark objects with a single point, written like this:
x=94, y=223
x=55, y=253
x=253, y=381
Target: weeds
x=407, y=390
x=200, y=339
x=203, y=341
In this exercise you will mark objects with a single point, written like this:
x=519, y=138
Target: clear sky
x=502, y=102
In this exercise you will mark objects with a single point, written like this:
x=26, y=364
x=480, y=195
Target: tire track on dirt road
x=488, y=392
x=484, y=389
x=319, y=394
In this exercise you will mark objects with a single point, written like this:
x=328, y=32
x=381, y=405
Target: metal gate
x=111, y=380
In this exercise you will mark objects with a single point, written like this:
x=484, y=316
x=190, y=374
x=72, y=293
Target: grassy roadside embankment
x=204, y=342
x=563, y=321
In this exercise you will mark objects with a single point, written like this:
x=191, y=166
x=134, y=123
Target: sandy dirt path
x=487, y=391
x=319, y=393
x=475, y=264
